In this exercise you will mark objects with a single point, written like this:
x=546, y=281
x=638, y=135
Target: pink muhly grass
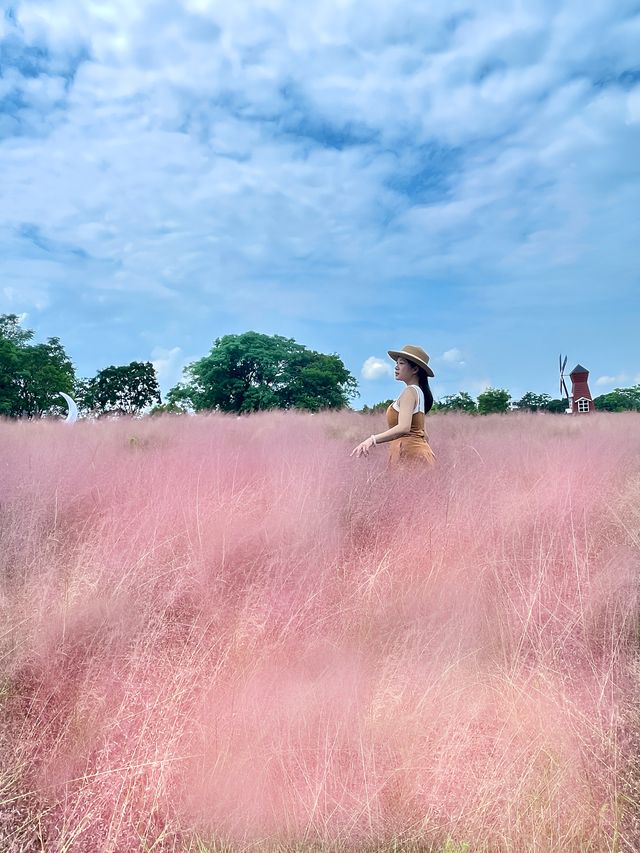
x=226, y=626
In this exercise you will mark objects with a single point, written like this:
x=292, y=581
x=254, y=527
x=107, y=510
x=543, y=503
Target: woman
x=405, y=417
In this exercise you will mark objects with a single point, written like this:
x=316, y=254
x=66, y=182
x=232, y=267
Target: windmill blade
x=563, y=385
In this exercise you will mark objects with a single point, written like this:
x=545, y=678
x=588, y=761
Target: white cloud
x=453, y=358
x=611, y=380
x=168, y=364
x=376, y=368
x=289, y=164
x=633, y=106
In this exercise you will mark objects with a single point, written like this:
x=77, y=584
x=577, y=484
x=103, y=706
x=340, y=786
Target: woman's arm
x=407, y=403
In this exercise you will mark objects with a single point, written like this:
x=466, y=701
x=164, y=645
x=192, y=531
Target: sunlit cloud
x=199, y=168
x=376, y=368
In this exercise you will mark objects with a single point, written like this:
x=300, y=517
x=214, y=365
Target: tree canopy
x=557, y=406
x=533, y=402
x=31, y=375
x=493, y=400
x=9, y=371
x=619, y=400
x=252, y=372
x=126, y=389
x=460, y=402
x=12, y=331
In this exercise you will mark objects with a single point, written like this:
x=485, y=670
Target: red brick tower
x=581, y=399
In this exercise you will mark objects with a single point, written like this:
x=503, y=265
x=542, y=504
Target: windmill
x=563, y=385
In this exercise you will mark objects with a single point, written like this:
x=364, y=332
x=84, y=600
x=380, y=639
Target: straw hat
x=415, y=354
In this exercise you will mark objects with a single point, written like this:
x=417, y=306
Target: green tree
x=83, y=394
x=619, y=400
x=125, y=389
x=557, y=407
x=533, y=402
x=185, y=395
x=45, y=370
x=460, y=402
x=31, y=375
x=11, y=330
x=493, y=400
x=252, y=372
x=13, y=339
x=9, y=369
x=317, y=381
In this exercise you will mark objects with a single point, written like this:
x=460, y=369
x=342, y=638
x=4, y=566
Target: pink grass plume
x=227, y=628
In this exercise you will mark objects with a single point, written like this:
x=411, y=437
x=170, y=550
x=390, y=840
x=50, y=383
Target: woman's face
x=405, y=371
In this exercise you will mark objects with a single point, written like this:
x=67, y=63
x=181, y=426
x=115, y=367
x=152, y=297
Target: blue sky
x=355, y=175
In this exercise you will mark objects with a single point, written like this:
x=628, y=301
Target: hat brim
x=395, y=355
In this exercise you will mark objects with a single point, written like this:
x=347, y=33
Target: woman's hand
x=364, y=447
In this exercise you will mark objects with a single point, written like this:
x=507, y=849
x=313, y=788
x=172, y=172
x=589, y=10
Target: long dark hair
x=423, y=382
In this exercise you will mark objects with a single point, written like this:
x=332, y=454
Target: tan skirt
x=413, y=447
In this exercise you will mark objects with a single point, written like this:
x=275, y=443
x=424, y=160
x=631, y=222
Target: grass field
x=223, y=633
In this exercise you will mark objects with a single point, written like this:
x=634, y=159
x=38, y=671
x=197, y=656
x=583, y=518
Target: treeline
x=241, y=373
x=33, y=375
x=499, y=401
x=253, y=372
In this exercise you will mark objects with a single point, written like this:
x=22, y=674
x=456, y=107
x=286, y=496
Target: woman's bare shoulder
x=409, y=393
